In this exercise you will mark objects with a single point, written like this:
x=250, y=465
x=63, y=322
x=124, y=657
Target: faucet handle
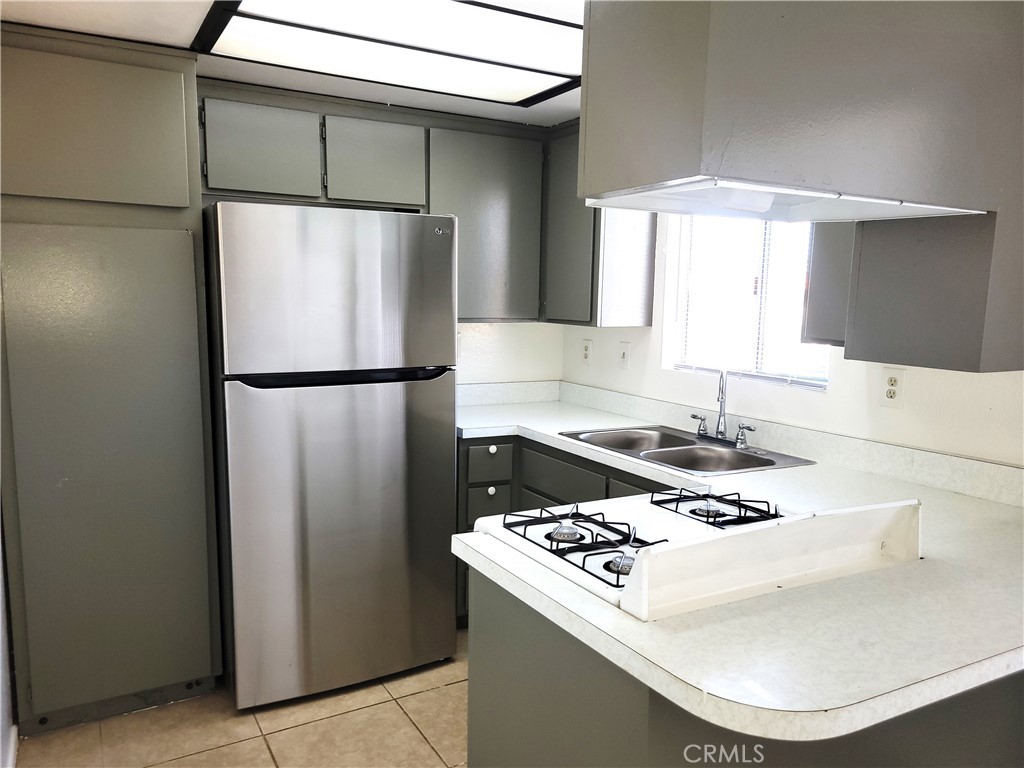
x=741, y=435
x=703, y=428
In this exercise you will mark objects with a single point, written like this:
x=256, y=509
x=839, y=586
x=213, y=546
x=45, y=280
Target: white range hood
x=710, y=196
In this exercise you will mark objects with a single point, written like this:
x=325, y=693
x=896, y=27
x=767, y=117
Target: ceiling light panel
x=304, y=49
x=441, y=25
x=563, y=10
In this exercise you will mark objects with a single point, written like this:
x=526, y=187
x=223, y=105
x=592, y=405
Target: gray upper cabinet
x=250, y=147
x=376, y=162
x=84, y=129
x=493, y=185
x=598, y=263
x=880, y=100
x=105, y=395
x=919, y=293
x=568, y=238
x=828, y=283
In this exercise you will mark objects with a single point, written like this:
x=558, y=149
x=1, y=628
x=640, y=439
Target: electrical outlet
x=588, y=351
x=623, y=354
x=893, y=383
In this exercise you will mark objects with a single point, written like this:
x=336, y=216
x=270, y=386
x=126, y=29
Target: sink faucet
x=720, y=427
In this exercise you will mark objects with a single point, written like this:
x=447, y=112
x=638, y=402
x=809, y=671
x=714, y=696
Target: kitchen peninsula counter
x=807, y=663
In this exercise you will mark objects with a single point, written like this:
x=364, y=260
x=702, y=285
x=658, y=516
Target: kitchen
x=957, y=430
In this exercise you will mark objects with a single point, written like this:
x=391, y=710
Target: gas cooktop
x=668, y=552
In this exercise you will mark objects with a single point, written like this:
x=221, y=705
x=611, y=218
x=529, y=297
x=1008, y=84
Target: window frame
x=674, y=323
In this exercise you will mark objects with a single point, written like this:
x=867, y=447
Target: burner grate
x=599, y=538
x=721, y=510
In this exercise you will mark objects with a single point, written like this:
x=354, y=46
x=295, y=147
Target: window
x=735, y=299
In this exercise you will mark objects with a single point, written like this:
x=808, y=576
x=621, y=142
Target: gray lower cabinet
x=515, y=690
x=255, y=148
x=492, y=184
x=84, y=129
x=486, y=471
x=105, y=519
x=560, y=477
x=374, y=161
x=598, y=262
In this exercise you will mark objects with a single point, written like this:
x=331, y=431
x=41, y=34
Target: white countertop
x=811, y=662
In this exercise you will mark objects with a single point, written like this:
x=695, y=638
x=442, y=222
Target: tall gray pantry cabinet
x=106, y=487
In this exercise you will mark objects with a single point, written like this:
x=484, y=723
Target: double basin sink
x=699, y=455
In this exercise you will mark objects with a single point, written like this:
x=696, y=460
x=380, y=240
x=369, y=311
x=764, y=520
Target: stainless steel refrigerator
x=336, y=347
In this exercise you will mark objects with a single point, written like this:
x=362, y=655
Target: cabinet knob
x=493, y=449
x=491, y=491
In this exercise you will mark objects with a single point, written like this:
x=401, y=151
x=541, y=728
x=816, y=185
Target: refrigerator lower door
x=342, y=507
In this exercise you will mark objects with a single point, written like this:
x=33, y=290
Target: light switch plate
x=623, y=354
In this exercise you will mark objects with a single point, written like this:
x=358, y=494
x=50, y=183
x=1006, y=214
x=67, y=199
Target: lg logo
x=441, y=231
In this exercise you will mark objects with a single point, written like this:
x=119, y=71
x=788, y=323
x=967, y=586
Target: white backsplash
x=506, y=392
x=986, y=480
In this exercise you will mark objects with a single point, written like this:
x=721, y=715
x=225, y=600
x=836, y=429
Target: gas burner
x=620, y=564
x=707, y=513
x=589, y=543
x=565, y=534
x=720, y=511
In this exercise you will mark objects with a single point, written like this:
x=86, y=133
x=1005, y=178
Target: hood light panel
x=708, y=195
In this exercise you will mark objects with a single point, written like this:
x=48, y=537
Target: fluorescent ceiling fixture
x=441, y=25
x=564, y=10
x=304, y=49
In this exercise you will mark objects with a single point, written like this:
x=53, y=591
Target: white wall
x=979, y=415
x=493, y=352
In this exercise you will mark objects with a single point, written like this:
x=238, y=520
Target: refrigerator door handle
x=336, y=378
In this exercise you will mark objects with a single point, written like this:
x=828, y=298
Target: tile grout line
x=420, y=730
x=273, y=757
x=198, y=752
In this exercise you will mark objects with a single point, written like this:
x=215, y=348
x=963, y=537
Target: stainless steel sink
x=687, y=451
x=635, y=440
x=708, y=458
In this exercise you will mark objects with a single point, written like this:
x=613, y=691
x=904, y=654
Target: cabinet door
x=262, y=149
x=93, y=130
x=568, y=238
x=103, y=360
x=828, y=283
x=377, y=162
x=555, y=479
x=492, y=184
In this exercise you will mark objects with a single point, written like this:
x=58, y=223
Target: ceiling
x=176, y=24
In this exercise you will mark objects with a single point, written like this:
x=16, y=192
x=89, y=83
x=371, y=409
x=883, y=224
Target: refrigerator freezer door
x=342, y=510
x=329, y=289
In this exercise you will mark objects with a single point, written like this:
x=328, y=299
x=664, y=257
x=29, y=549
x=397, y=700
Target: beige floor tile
x=276, y=717
x=380, y=735
x=441, y=715
x=74, y=747
x=433, y=675
x=251, y=753
x=174, y=730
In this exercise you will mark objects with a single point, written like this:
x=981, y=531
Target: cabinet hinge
x=323, y=130
x=202, y=117
x=204, y=169
x=325, y=181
